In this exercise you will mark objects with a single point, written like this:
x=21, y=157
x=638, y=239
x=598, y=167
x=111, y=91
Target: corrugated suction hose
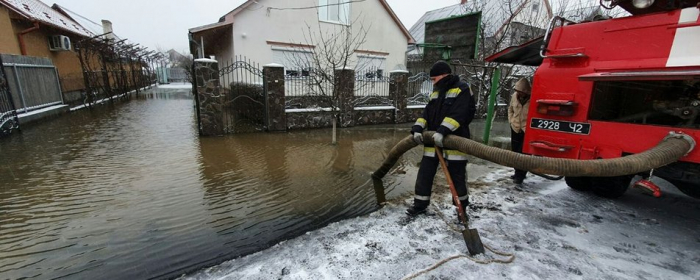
x=669, y=150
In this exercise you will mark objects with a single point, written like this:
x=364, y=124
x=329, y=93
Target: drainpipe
x=21, y=39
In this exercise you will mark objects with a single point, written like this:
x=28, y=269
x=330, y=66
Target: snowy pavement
x=554, y=232
x=175, y=86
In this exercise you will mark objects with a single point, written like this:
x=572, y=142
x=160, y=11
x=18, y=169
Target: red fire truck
x=613, y=87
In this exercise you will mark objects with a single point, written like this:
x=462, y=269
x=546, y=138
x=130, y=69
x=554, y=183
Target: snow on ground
x=554, y=232
x=175, y=86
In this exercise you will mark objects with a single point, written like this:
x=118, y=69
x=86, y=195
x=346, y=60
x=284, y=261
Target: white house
x=273, y=31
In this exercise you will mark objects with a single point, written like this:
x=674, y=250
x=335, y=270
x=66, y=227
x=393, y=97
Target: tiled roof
x=93, y=27
x=37, y=10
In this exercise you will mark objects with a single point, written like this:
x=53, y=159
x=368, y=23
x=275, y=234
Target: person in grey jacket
x=517, y=117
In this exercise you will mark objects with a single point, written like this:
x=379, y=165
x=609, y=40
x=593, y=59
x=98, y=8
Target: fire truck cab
x=614, y=87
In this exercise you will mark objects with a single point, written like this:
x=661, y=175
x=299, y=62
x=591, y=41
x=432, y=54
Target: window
x=370, y=67
x=334, y=11
x=296, y=63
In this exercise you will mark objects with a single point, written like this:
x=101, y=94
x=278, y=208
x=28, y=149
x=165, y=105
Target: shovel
x=471, y=235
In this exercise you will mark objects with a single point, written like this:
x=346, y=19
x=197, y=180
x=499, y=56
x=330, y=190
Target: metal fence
x=177, y=75
x=372, y=88
x=242, y=83
x=306, y=88
x=33, y=82
x=8, y=115
x=419, y=89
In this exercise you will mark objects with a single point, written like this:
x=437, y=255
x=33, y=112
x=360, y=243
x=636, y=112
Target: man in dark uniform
x=450, y=109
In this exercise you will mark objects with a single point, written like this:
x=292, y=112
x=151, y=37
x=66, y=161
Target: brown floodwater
x=130, y=191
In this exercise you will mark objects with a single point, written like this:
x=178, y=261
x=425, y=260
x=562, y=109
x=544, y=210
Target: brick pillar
x=208, y=94
x=345, y=89
x=274, y=88
x=398, y=91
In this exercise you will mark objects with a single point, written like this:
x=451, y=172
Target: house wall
x=227, y=54
x=9, y=43
x=533, y=14
x=252, y=29
x=37, y=44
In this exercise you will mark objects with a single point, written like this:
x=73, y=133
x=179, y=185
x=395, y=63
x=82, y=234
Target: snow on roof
x=37, y=10
x=418, y=29
x=94, y=27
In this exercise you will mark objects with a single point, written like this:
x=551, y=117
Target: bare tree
x=504, y=23
x=513, y=22
x=325, y=49
x=185, y=62
x=333, y=49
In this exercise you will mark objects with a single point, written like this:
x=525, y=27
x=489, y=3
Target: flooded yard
x=130, y=191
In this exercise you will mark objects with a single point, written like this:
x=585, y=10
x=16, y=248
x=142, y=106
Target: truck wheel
x=579, y=183
x=611, y=187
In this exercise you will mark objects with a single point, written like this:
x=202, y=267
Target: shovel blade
x=474, y=245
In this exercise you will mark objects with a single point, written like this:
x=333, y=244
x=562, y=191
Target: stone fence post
x=398, y=91
x=345, y=89
x=209, y=96
x=274, y=89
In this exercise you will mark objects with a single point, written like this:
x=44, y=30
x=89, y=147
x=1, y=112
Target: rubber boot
x=418, y=207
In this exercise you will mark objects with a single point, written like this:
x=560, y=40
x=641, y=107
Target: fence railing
x=242, y=84
x=33, y=82
x=306, y=88
x=8, y=115
x=419, y=89
x=372, y=88
x=177, y=75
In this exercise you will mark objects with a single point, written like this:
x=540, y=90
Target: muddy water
x=130, y=191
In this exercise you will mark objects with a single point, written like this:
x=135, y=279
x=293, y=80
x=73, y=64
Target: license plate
x=563, y=126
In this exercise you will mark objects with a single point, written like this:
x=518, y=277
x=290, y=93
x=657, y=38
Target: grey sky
x=163, y=24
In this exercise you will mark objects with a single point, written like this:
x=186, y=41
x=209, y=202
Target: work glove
x=437, y=137
x=418, y=138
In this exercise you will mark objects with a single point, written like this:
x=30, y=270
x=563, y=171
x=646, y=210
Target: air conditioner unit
x=59, y=43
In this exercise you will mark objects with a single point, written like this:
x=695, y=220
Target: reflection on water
x=131, y=191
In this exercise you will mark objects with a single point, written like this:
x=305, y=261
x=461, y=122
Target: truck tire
x=611, y=187
x=579, y=183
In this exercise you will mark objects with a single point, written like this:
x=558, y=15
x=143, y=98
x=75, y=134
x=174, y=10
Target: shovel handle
x=453, y=190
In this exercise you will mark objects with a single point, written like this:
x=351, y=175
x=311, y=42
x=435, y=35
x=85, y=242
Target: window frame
x=379, y=72
x=323, y=16
x=303, y=72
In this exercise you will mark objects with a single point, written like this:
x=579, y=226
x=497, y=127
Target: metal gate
x=8, y=114
x=242, y=83
x=33, y=82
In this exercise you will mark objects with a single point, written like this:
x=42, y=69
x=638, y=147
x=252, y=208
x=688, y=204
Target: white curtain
x=366, y=63
x=292, y=59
